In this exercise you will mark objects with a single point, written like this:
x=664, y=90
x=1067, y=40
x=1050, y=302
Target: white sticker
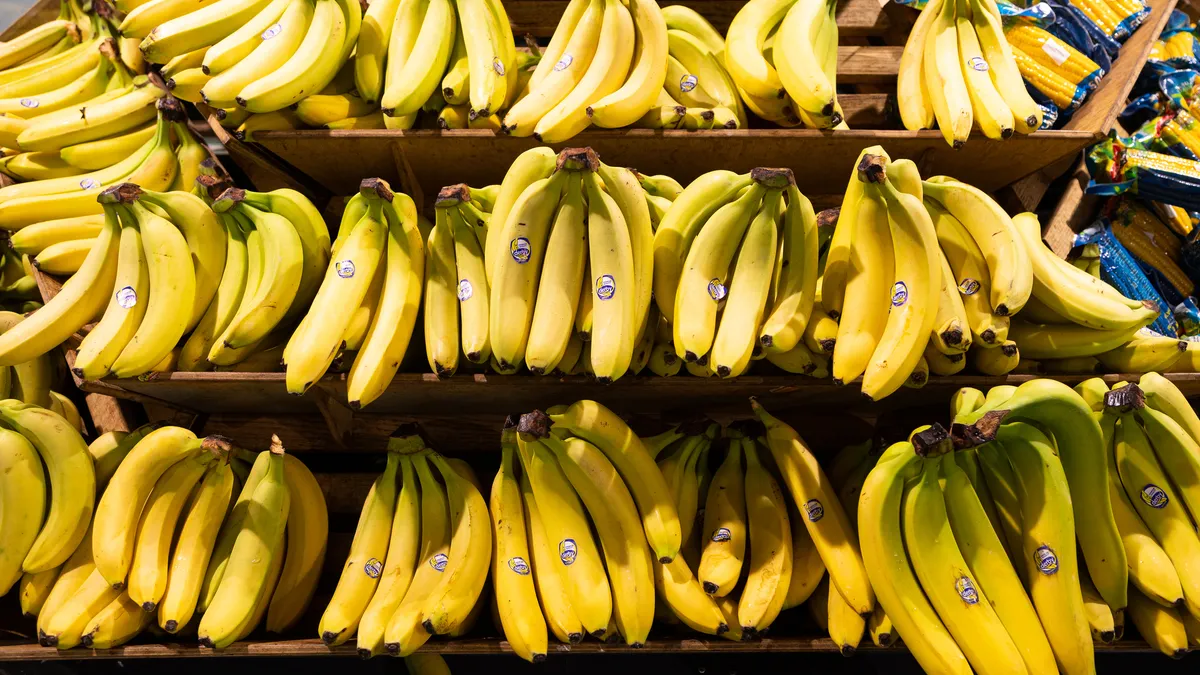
x=606, y=287
x=29, y=103
x=1047, y=561
x=345, y=269
x=968, y=286
x=373, y=568
x=722, y=534
x=89, y=183
x=568, y=551
x=464, y=290
x=966, y=590
x=520, y=250
x=1154, y=496
x=127, y=297
x=1056, y=51
x=498, y=66
x=564, y=63
x=519, y=565
x=688, y=83
x=814, y=510
x=272, y=31
x=716, y=290
x=439, y=562
x=979, y=64
x=899, y=294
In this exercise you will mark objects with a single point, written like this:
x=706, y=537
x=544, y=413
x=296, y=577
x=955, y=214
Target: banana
x=599, y=426
x=837, y=259
x=832, y=615
x=1143, y=355
x=37, y=166
x=1007, y=252
x=345, y=285
x=1163, y=396
x=799, y=65
x=70, y=577
x=33, y=75
x=548, y=574
x=253, y=560
x=770, y=547
x=471, y=276
x=1051, y=566
x=564, y=520
x=791, y=311
x=685, y=597
x=486, y=68
x=70, y=468
x=307, y=532
x=807, y=568
x=236, y=46
x=1099, y=616
x=512, y=282
x=142, y=17
x=724, y=528
x=1157, y=502
x=148, y=573
x=521, y=618
x=373, y=47
x=611, y=268
x=991, y=112
x=23, y=490
x=627, y=104
x=120, y=507
x=868, y=288
x=441, y=294
x=912, y=92
x=1059, y=410
x=705, y=272
x=65, y=628
x=522, y=118
x=744, y=47
x=951, y=329
x=1040, y=341
x=119, y=622
x=286, y=36
x=404, y=632
x=283, y=260
x=554, y=312
x=194, y=547
x=35, y=589
x=970, y=276
x=989, y=563
x=63, y=259
x=999, y=361
x=31, y=43
x=305, y=71
x=401, y=561
x=170, y=305
x=227, y=297
x=362, y=569
x=690, y=211
x=1163, y=628
x=945, y=81
x=1003, y=68
x=961, y=601
x=102, y=117
x=392, y=326
x=825, y=518
x=738, y=331
x=407, y=88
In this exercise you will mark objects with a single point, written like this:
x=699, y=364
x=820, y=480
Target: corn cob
x=1156, y=161
x=1177, y=218
x=1138, y=218
x=1051, y=52
x=1127, y=8
x=1100, y=14
x=1181, y=45
x=1058, y=89
x=1158, y=51
x=1151, y=254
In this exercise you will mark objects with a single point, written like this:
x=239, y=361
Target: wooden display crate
x=421, y=161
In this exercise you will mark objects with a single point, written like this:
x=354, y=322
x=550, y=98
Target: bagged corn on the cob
x=1118, y=166
x=1152, y=244
x=1180, y=220
x=1056, y=56
x=1122, y=271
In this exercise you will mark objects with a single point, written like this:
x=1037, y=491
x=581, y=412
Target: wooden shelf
x=416, y=394
x=477, y=646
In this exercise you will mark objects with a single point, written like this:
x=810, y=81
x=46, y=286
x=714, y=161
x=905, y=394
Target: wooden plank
x=868, y=65
x=41, y=12
x=821, y=160
x=22, y=651
x=855, y=17
x=1100, y=112
x=418, y=395
x=1074, y=211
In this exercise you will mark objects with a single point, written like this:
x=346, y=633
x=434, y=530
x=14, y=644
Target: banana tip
x=710, y=587
x=847, y=651
x=364, y=654
x=206, y=642
x=171, y=626
x=149, y=607
x=428, y=626
x=539, y=658
x=329, y=637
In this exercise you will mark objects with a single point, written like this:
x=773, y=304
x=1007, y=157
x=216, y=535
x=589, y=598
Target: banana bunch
x=725, y=312
x=1150, y=447
x=365, y=307
x=782, y=56
x=698, y=92
x=45, y=593
x=31, y=382
x=591, y=73
x=43, y=49
x=420, y=555
x=958, y=70
x=256, y=56
x=565, y=285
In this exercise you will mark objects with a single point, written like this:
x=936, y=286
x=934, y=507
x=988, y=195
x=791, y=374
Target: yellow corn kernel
x=1051, y=52
x=1157, y=161
x=1060, y=91
x=1138, y=218
x=1158, y=51
x=1099, y=13
x=1146, y=251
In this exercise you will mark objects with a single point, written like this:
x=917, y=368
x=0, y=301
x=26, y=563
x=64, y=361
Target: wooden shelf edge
x=476, y=646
